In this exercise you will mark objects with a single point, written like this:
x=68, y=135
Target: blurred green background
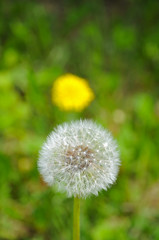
x=115, y=46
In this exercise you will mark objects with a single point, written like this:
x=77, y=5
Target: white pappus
x=80, y=157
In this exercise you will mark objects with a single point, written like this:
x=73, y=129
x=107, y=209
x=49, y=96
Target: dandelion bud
x=80, y=157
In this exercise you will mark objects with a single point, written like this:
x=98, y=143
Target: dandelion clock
x=81, y=158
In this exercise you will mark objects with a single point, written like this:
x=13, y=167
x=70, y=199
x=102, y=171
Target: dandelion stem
x=76, y=219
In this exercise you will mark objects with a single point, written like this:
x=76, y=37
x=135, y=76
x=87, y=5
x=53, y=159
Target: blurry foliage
x=115, y=45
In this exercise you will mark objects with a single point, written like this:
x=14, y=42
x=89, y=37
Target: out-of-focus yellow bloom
x=71, y=92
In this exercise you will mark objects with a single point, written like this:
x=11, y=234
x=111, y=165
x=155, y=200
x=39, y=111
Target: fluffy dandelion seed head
x=80, y=157
x=70, y=92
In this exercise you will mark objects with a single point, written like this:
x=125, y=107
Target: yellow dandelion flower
x=71, y=92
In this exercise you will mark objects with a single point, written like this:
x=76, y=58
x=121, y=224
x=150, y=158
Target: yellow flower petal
x=71, y=92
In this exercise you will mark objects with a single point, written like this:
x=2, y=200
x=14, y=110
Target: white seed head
x=80, y=157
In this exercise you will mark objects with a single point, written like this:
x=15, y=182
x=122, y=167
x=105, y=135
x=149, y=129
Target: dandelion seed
x=82, y=166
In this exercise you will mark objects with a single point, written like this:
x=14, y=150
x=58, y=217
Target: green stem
x=76, y=219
